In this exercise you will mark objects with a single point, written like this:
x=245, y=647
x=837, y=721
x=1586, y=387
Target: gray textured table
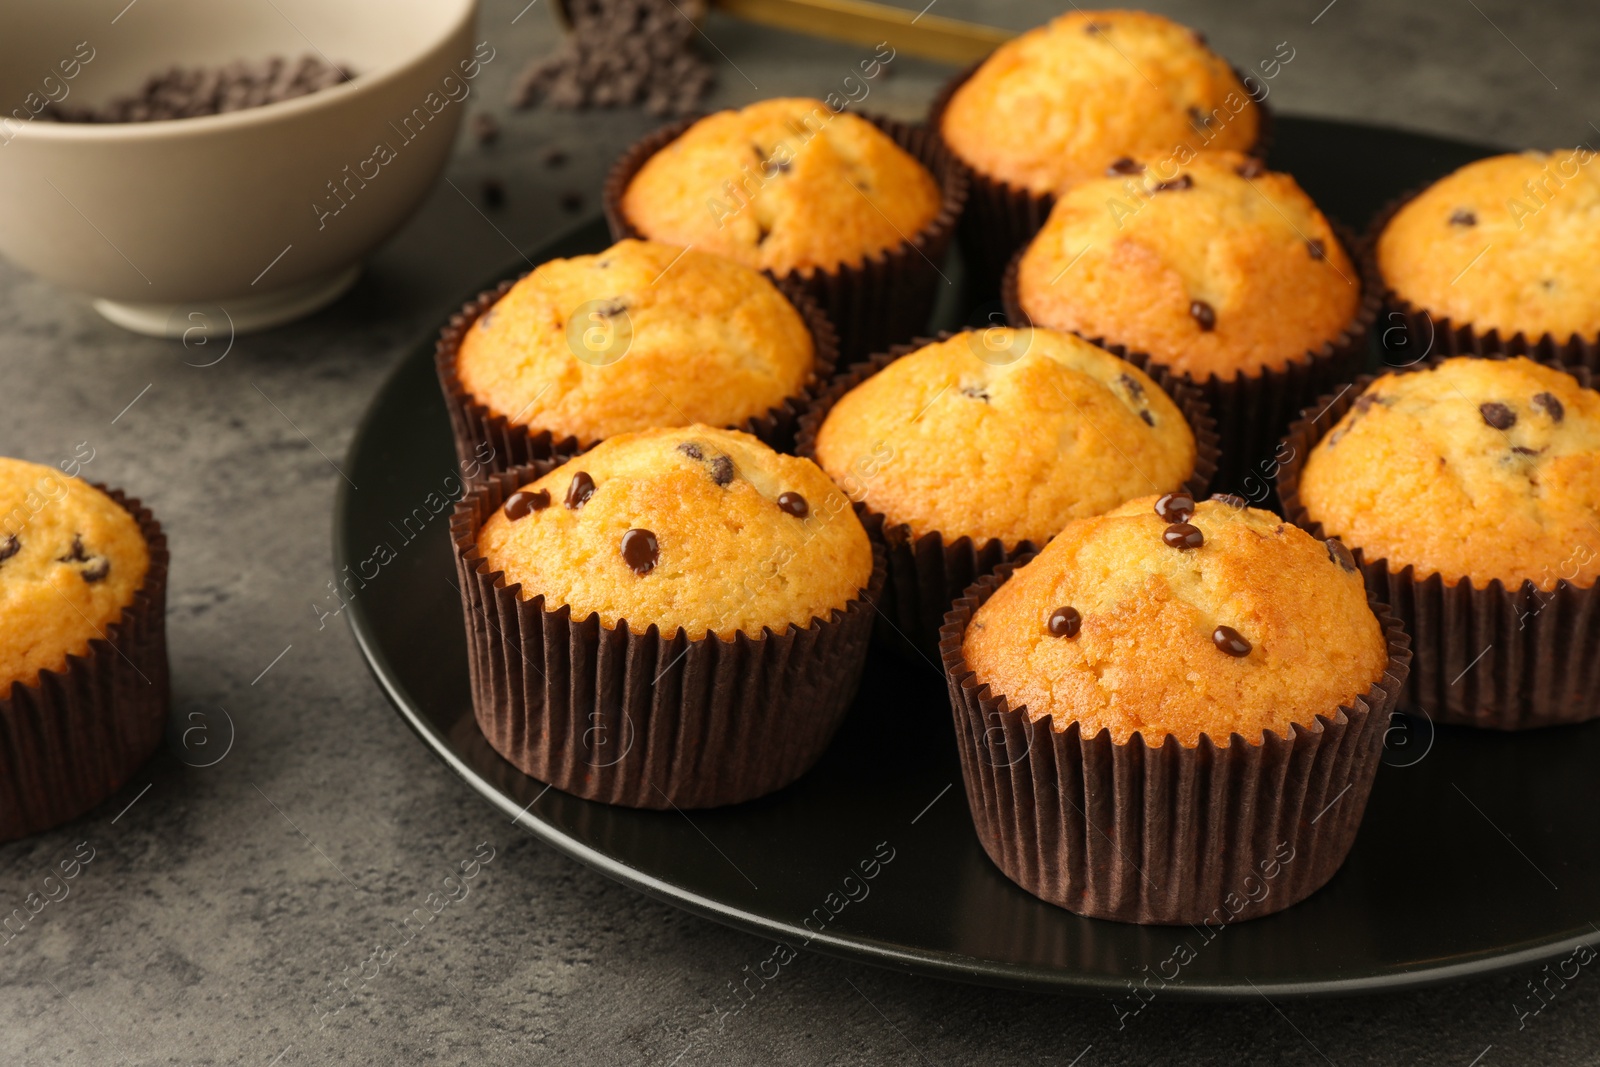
x=225, y=905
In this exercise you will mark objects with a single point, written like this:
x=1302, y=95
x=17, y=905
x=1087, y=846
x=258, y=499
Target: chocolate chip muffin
x=1004, y=434
x=1208, y=683
x=676, y=618
x=1217, y=267
x=695, y=528
x=1223, y=272
x=83, y=657
x=1188, y=620
x=638, y=336
x=1473, y=469
x=1506, y=244
x=71, y=560
x=1063, y=102
x=856, y=211
x=783, y=185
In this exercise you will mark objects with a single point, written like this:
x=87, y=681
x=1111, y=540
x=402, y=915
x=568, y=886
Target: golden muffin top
x=637, y=336
x=71, y=559
x=783, y=185
x=1004, y=434
x=1510, y=243
x=696, y=528
x=1214, y=267
x=1062, y=102
x=1474, y=468
x=1257, y=627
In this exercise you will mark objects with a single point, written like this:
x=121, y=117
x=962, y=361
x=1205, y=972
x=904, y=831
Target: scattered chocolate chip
x=571, y=203
x=1318, y=250
x=1463, y=217
x=525, y=502
x=1547, y=284
x=485, y=130
x=612, y=308
x=1204, y=315
x=579, y=490
x=1498, y=415
x=1175, y=507
x=620, y=53
x=1095, y=29
x=1064, y=622
x=9, y=547
x=640, y=551
x=1149, y=419
x=1199, y=118
x=1199, y=38
x=1230, y=641
x=692, y=450
x=1182, y=181
x=1364, y=403
x=1231, y=499
x=1134, y=387
x=1251, y=168
x=975, y=392
x=1340, y=554
x=1125, y=165
x=1523, y=450
x=721, y=468
x=97, y=570
x=493, y=191
x=1551, y=405
x=1183, y=536
x=794, y=504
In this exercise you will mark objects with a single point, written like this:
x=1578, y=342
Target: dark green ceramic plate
x=1478, y=853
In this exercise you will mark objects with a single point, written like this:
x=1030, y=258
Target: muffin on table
x=1071, y=100
x=678, y=583
x=1221, y=271
x=1469, y=490
x=966, y=451
x=638, y=336
x=83, y=668
x=1148, y=663
x=1502, y=256
x=857, y=211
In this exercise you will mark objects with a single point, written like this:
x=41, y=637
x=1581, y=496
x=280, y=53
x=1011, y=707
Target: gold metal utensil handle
x=860, y=22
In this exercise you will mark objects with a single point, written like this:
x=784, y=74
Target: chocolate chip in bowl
x=249, y=192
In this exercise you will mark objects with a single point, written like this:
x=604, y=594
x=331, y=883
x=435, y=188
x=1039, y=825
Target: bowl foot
x=244, y=314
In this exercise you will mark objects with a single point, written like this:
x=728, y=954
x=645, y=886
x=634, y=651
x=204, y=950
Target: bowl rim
x=264, y=114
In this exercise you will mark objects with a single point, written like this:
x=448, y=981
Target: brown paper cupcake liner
x=1411, y=334
x=1163, y=834
x=1001, y=218
x=1496, y=657
x=1253, y=410
x=75, y=736
x=888, y=297
x=925, y=573
x=648, y=720
x=510, y=444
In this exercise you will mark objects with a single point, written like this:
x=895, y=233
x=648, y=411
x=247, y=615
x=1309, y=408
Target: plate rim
x=943, y=965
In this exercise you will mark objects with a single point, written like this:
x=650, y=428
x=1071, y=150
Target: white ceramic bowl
x=264, y=214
